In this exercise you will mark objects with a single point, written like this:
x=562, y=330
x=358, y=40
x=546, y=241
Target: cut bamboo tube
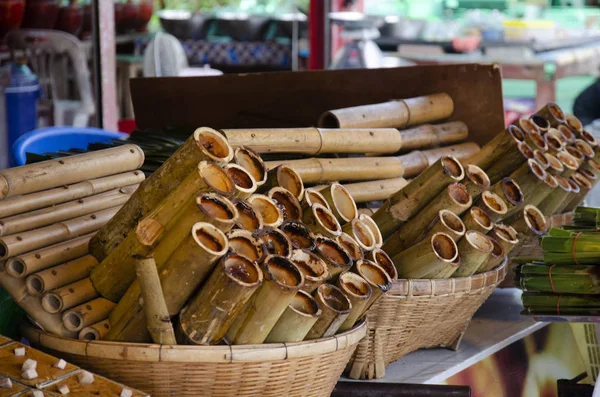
x=341, y=202
x=284, y=177
x=576, y=198
x=550, y=204
x=213, y=309
x=447, y=271
x=475, y=248
x=398, y=113
x=461, y=151
x=526, y=125
x=495, y=258
x=510, y=162
x=589, y=138
x=368, y=220
x=95, y=331
x=476, y=180
x=296, y=321
x=553, y=113
x=530, y=176
x=17, y=244
x=312, y=196
x=336, y=308
x=555, y=166
x=380, y=258
x=567, y=133
x=245, y=185
x=89, y=313
x=333, y=254
x=282, y=279
x=454, y=198
x=575, y=190
x=506, y=235
x=541, y=122
x=322, y=221
x=288, y=203
x=573, y=122
x=62, y=212
x=541, y=158
x=431, y=135
x=529, y=223
x=494, y=150
x=61, y=275
x=252, y=162
x=382, y=189
x=536, y=141
x=248, y=217
x=577, y=154
x=591, y=165
x=69, y=296
x=493, y=205
x=554, y=141
x=361, y=233
x=510, y=192
x=376, y=277
x=477, y=219
x=205, y=144
x=268, y=210
x=244, y=243
x=31, y=262
x=34, y=201
x=585, y=148
x=425, y=257
x=49, y=174
x=417, y=194
x=314, y=269
x=351, y=245
x=446, y=222
x=299, y=234
x=547, y=189
x=569, y=162
x=276, y=242
x=359, y=292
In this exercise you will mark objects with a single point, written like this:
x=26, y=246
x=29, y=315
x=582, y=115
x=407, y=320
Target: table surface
x=496, y=324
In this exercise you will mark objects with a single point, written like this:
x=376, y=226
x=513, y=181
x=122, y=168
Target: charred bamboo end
x=444, y=247
x=249, y=218
x=374, y=275
x=217, y=178
x=477, y=176
x=350, y=244
x=334, y=254
x=573, y=122
x=244, y=182
x=567, y=134
x=567, y=160
x=269, y=211
x=305, y=305
x=210, y=239
x=482, y=218
x=506, y=233
x=283, y=272
x=288, y=203
x=516, y=133
x=243, y=242
x=585, y=148
x=213, y=144
x=276, y=242
x=360, y=232
x=381, y=258
x=299, y=234
x=252, y=162
x=575, y=188
x=540, y=122
x=453, y=168
x=312, y=196
x=289, y=179
x=555, y=165
x=494, y=203
x=563, y=183
x=538, y=141
x=242, y=270
x=368, y=220
x=459, y=193
x=479, y=241
x=555, y=140
x=589, y=138
x=541, y=158
x=576, y=153
x=527, y=126
x=512, y=191
x=334, y=299
x=582, y=181
x=313, y=267
x=219, y=208
x=556, y=112
x=355, y=286
x=326, y=219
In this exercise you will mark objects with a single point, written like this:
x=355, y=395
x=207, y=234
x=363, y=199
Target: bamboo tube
x=504, y=142
x=61, y=212
x=368, y=220
x=89, y=313
x=398, y=113
x=425, y=257
x=569, y=162
x=554, y=141
x=575, y=190
x=312, y=196
x=547, y=189
x=244, y=243
x=248, y=217
x=299, y=234
x=284, y=177
x=475, y=248
x=493, y=205
x=567, y=133
x=282, y=279
x=296, y=321
x=495, y=258
x=417, y=194
x=577, y=198
x=510, y=192
x=34, y=201
x=313, y=267
x=553, y=113
x=505, y=235
x=541, y=122
x=359, y=292
x=268, y=210
x=61, y=275
x=382, y=189
x=454, y=198
x=205, y=144
x=67, y=170
x=573, y=122
x=536, y=141
x=476, y=180
x=461, y=151
x=275, y=241
x=336, y=308
x=17, y=244
x=340, y=201
x=530, y=176
x=529, y=223
x=585, y=148
x=555, y=166
x=526, y=125
x=589, y=138
x=288, y=203
x=431, y=135
x=376, y=277
x=380, y=258
x=361, y=233
x=589, y=175
x=95, y=331
x=447, y=271
x=477, y=219
x=322, y=221
x=333, y=254
x=351, y=245
x=541, y=158
x=510, y=162
x=69, y=296
x=213, y=309
x=591, y=165
x=244, y=182
x=446, y=222
x=577, y=154
x=550, y=203
x=252, y=162
x=23, y=265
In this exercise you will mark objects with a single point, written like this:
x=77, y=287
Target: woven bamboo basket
x=309, y=368
x=417, y=314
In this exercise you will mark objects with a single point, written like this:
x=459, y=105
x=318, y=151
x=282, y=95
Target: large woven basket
x=309, y=368
x=417, y=314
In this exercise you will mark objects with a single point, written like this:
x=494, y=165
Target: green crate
x=10, y=316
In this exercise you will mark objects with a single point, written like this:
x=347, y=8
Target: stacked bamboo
x=49, y=211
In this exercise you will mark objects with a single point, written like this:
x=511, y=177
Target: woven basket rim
x=448, y=286
x=149, y=352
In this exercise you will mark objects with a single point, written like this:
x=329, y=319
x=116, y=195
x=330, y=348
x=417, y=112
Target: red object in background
x=41, y=14
x=145, y=11
x=70, y=18
x=126, y=16
x=11, y=15
x=127, y=125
